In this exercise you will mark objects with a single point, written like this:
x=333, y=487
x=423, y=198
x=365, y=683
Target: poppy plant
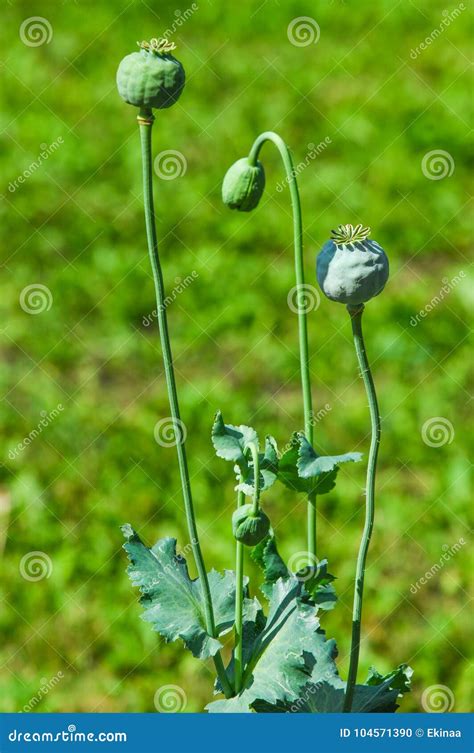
x=280, y=660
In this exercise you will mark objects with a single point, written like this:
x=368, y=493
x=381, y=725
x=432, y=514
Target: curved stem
x=145, y=122
x=356, y=319
x=253, y=447
x=300, y=301
x=239, y=601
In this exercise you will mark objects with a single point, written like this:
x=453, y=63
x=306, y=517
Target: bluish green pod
x=151, y=77
x=243, y=185
x=351, y=268
x=248, y=528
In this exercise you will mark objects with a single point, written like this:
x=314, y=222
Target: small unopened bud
x=248, y=528
x=243, y=185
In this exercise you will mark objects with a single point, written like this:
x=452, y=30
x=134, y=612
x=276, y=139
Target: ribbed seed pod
x=151, y=78
x=351, y=268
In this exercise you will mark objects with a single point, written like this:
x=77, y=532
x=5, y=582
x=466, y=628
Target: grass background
x=76, y=226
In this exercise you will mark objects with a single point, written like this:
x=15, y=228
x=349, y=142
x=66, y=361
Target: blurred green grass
x=76, y=226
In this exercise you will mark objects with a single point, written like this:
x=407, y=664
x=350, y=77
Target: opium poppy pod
x=248, y=527
x=351, y=268
x=243, y=185
x=151, y=77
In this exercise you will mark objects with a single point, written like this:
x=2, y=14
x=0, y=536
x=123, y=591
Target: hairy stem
x=145, y=121
x=356, y=319
x=239, y=601
x=301, y=307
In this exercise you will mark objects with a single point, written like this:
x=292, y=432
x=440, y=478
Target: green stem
x=311, y=526
x=145, y=121
x=253, y=447
x=239, y=601
x=300, y=299
x=356, y=320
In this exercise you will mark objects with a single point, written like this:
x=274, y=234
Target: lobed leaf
x=289, y=476
x=267, y=557
x=311, y=465
x=301, y=469
x=230, y=441
x=316, y=582
x=284, y=654
x=326, y=694
x=173, y=601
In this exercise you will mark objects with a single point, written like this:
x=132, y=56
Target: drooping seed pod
x=351, y=268
x=243, y=185
x=151, y=77
x=248, y=528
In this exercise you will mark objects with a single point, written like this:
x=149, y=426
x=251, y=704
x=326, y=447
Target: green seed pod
x=248, y=528
x=243, y=185
x=151, y=77
x=351, y=268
